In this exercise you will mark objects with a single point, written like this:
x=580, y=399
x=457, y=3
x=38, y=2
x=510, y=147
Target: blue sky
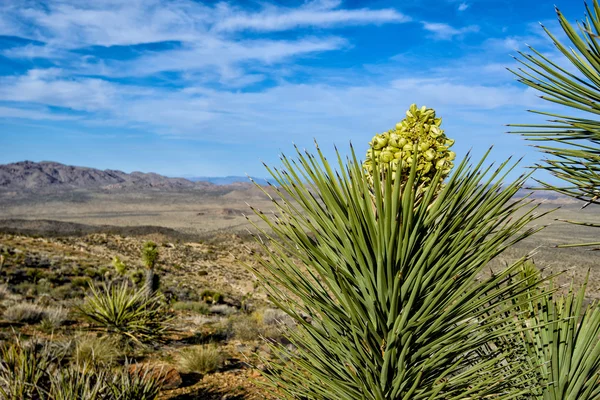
x=189, y=88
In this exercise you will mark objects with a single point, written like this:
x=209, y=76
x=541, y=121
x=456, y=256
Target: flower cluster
x=418, y=135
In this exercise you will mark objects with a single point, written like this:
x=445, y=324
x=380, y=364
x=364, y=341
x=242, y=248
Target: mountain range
x=52, y=176
x=29, y=175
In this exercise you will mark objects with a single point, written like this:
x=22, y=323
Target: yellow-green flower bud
x=451, y=155
x=379, y=142
x=429, y=155
x=386, y=156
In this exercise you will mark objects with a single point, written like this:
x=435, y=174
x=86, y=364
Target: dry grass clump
x=27, y=313
x=267, y=324
x=276, y=317
x=201, y=359
x=91, y=349
x=54, y=318
x=4, y=292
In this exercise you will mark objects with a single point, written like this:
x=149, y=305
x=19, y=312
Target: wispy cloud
x=444, y=31
x=463, y=6
x=223, y=55
x=278, y=19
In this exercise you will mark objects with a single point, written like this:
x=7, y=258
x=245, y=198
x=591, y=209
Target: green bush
x=118, y=309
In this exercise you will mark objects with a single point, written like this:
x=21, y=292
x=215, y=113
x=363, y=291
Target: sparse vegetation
x=194, y=306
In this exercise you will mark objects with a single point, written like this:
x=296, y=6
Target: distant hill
x=29, y=175
x=227, y=180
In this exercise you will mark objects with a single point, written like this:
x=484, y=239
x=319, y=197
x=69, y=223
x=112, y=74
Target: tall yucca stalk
x=572, y=143
x=382, y=280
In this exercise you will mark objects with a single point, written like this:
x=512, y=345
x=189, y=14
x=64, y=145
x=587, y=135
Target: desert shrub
x=118, y=309
x=26, y=289
x=27, y=313
x=271, y=316
x=201, y=359
x=81, y=282
x=65, y=292
x=137, y=277
x=119, y=265
x=222, y=309
x=211, y=296
x=252, y=327
x=92, y=349
x=53, y=319
x=195, y=306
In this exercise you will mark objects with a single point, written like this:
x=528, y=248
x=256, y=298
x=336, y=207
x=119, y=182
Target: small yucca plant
x=25, y=370
x=128, y=385
x=380, y=274
x=118, y=309
x=82, y=383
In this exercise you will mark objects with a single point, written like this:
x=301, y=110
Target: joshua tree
x=150, y=258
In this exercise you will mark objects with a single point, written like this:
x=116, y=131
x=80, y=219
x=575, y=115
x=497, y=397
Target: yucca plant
x=128, y=385
x=84, y=383
x=25, y=370
x=564, y=342
x=571, y=143
x=380, y=272
x=118, y=309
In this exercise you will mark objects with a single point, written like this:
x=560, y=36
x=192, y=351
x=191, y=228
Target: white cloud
x=443, y=31
x=74, y=24
x=204, y=38
x=224, y=55
x=48, y=87
x=280, y=19
x=22, y=113
x=463, y=6
x=280, y=114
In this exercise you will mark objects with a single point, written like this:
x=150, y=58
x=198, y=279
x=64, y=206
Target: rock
x=168, y=376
